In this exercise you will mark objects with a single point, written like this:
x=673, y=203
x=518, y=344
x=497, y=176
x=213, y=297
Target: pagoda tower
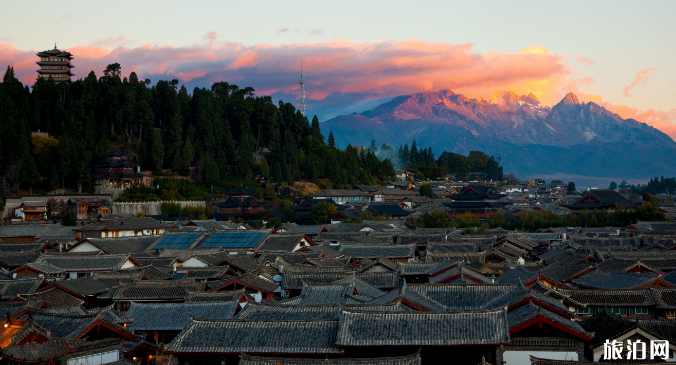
x=55, y=64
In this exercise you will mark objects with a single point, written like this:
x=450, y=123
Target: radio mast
x=302, y=91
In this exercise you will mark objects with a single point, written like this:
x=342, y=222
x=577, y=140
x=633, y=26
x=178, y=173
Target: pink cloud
x=588, y=61
x=371, y=70
x=641, y=78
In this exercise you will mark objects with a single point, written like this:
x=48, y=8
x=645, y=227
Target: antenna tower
x=302, y=91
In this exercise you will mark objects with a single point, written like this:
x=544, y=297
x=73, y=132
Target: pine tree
x=210, y=173
x=332, y=141
x=156, y=152
x=315, y=131
x=177, y=165
x=187, y=155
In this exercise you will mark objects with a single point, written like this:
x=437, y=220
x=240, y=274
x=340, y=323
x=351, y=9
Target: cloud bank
x=641, y=78
x=341, y=76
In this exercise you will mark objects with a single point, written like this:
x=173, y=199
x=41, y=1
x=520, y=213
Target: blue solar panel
x=176, y=240
x=234, y=239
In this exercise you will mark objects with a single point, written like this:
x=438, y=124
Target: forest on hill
x=219, y=136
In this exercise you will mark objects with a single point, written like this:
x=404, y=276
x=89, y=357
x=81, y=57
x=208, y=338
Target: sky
x=358, y=54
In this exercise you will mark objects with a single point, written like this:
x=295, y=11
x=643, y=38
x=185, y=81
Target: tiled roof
x=36, y=351
x=147, y=290
x=346, y=291
x=122, y=224
x=281, y=242
x=262, y=311
x=529, y=311
x=70, y=326
x=516, y=275
x=373, y=252
x=54, y=298
x=664, y=298
x=176, y=316
x=84, y=286
x=257, y=337
x=214, y=296
x=609, y=280
x=379, y=280
x=401, y=360
x=423, y=328
x=85, y=262
x=251, y=281
x=595, y=297
x=16, y=259
x=123, y=245
x=31, y=230
x=11, y=288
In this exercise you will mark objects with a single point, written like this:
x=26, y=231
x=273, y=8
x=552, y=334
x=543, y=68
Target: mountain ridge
x=509, y=125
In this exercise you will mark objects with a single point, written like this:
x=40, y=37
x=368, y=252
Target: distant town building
x=55, y=64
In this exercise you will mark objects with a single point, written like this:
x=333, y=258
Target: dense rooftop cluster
x=375, y=292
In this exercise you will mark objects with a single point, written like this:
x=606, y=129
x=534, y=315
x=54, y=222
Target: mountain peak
x=569, y=99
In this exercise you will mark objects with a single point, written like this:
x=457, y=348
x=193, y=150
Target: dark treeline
x=542, y=219
x=164, y=128
x=473, y=166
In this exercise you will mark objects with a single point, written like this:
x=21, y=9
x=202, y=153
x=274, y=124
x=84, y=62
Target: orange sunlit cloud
x=340, y=70
x=588, y=61
x=641, y=78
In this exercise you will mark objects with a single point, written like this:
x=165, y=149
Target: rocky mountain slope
x=572, y=137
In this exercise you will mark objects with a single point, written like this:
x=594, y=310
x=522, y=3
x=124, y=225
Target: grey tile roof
x=516, y=275
x=423, y=328
x=664, y=298
x=259, y=360
x=263, y=311
x=336, y=293
x=374, y=252
x=462, y=297
x=11, y=288
x=281, y=242
x=18, y=247
x=84, y=286
x=54, y=298
x=251, y=281
x=152, y=290
x=609, y=280
x=122, y=224
x=256, y=337
x=595, y=297
x=176, y=316
x=124, y=245
x=34, y=352
x=70, y=326
x=15, y=259
x=69, y=262
x=465, y=257
x=527, y=312
x=379, y=280
x=214, y=296
x=31, y=230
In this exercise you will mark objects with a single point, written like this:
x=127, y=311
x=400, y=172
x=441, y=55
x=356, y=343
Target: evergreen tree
x=315, y=132
x=210, y=174
x=332, y=141
x=156, y=152
x=187, y=155
x=177, y=165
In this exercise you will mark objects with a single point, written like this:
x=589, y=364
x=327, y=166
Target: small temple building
x=56, y=64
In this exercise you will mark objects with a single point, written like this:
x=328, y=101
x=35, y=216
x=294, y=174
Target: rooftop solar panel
x=234, y=240
x=176, y=240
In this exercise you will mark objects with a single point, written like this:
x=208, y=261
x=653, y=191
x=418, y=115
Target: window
x=588, y=310
x=640, y=310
